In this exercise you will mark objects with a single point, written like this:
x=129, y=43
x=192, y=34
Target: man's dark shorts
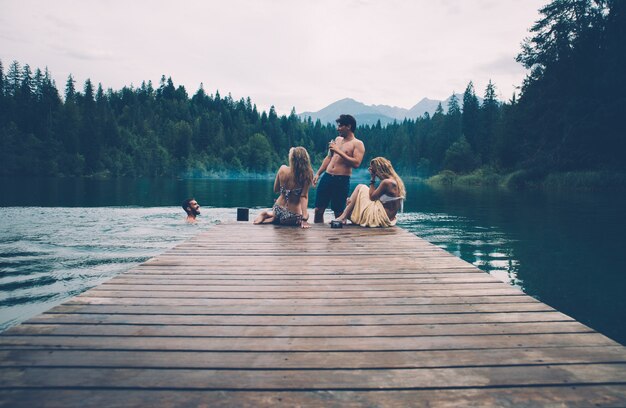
x=333, y=189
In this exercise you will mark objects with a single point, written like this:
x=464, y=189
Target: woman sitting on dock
x=292, y=183
x=376, y=206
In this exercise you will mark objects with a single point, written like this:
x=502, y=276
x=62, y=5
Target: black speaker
x=242, y=214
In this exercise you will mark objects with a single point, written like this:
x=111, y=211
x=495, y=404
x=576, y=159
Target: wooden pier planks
x=245, y=315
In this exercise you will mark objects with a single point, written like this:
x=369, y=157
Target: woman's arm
x=304, y=203
x=385, y=186
x=277, y=180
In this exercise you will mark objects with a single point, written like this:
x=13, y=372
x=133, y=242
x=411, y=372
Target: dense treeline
x=138, y=131
x=568, y=116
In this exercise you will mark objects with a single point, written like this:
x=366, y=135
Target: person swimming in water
x=192, y=208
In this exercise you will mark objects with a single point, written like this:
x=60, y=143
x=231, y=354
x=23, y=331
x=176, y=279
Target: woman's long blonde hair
x=300, y=165
x=383, y=169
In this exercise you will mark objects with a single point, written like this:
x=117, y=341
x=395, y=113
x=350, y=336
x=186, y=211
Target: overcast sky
x=287, y=53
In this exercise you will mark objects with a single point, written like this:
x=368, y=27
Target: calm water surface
x=60, y=237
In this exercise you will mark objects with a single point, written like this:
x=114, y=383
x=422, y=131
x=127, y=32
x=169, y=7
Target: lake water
x=59, y=237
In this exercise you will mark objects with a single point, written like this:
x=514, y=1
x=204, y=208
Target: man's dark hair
x=347, y=120
x=187, y=204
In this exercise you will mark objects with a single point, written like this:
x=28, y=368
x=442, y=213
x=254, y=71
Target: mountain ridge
x=371, y=114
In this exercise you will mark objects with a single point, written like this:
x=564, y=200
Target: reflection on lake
x=562, y=248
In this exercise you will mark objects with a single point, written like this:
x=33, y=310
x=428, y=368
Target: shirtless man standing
x=344, y=153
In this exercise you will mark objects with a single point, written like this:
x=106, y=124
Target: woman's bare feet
x=264, y=217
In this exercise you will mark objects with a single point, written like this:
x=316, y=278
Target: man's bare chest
x=346, y=147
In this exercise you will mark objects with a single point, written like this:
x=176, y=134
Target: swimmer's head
x=191, y=207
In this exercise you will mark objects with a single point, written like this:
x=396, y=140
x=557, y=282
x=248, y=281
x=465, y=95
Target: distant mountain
x=370, y=114
x=430, y=106
x=365, y=115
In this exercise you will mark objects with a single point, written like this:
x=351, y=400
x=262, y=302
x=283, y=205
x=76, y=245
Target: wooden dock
x=245, y=315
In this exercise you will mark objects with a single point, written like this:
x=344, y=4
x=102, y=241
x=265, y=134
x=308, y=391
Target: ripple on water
x=57, y=253
x=480, y=245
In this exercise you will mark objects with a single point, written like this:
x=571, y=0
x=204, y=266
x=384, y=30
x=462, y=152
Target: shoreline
x=587, y=180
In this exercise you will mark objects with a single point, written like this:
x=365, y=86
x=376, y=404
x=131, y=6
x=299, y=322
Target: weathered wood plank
x=580, y=396
x=172, y=287
x=307, y=360
x=298, y=331
x=333, y=379
x=295, y=310
x=324, y=320
x=496, y=290
x=114, y=298
x=288, y=270
x=125, y=280
x=479, y=342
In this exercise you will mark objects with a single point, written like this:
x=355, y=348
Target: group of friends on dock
x=368, y=206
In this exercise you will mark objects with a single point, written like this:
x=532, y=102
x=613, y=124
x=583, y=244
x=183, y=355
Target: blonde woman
x=376, y=206
x=292, y=183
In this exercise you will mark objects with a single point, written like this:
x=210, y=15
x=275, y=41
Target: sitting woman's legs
x=265, y=217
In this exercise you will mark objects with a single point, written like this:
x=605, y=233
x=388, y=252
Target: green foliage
x=459, y=157
x=445, y=178
x=585, y=181
x=485, y=177
x=470, y=118
x=259, y=153
x=570, y=101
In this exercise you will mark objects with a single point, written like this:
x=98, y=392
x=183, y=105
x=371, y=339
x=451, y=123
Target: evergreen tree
x=3, y=106
x=90, y=133
x=438, y=139
x=70, y=89
x=471, y=114
x=489, y=117
x=100, y=94
x=453, y=121
x=557, y=33
x=460, y=157
x=27, y=86
x=563, y=103
x=1, y=80
x=13, y=79
x=259, y=153
x=168, y=91
x=38, y=83
x=25, y=102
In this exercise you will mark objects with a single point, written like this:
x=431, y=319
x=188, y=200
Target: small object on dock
x=336, y=224
x=242, y=214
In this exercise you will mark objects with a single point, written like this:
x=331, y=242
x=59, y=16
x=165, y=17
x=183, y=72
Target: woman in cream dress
x=376, y=206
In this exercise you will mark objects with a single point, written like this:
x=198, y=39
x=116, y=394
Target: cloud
x=503, y=64
x=90, y=55
x=62, y=22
